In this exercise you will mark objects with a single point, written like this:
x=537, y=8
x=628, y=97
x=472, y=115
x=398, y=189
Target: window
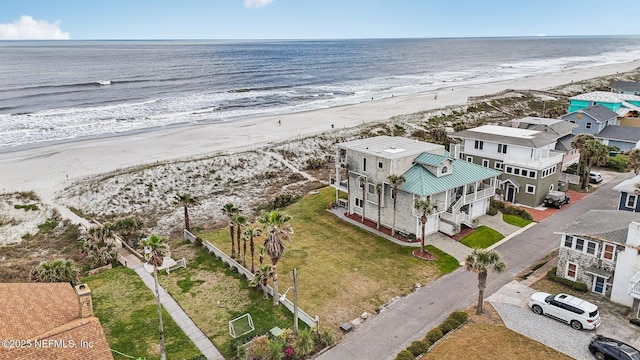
x=572, y=121
x=572, y=271
x=469, y=159
x=568, y=241
x=591, y=247
x=516, y=171
x=579, y=244
x=631, y=201
x=364, y=164
x=499, y=166
x=485, y=163
x=587, y=125
x=608, y=251
x=379, y=165
x=531, y=189
x=502, y=148
x=532, y=174
x=358, y=203
x=508, y=169
x=551, y=187
x=525, y=173
x=479, y=144
x=445, y=169
x=372, y=188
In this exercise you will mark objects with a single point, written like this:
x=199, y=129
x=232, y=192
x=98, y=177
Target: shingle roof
x=612, y=225
x=599, y=112
x=605, y=96
x=557, y=127
x=626, y=86
x=422, y=182
x=628, y=186
x=564, y=143
x=507, y=135
x=32, y=311
x=617, y=132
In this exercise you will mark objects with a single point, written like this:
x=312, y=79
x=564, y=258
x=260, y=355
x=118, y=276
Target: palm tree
x=261, y=277
x=396, y=181
x=633, y=161
x=254, y=231
x=186, y=200
x=363, y=185
x=379, y=192
x=158, y=248
x=596, y=153
x=231, y=210
x=278, y=230
x=261, y=252
x=100, y=245
x=578, y=143
x=240, y=221
x=56, y=271
x=426, y=208
x=481, y=261
x=130, y=229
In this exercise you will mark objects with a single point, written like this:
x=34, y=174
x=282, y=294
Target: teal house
x=624, y=105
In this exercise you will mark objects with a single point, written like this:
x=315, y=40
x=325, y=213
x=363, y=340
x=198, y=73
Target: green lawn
x=212, y=295
x=129, y=316
x=515, y=220
x=342, y=269
x=482, y=238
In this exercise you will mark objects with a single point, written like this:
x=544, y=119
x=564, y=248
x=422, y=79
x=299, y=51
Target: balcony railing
x=342, y=186
x=481, y=194
x=552, y=159
x=634, y=286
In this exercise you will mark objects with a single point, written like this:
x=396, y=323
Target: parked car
x=556, y=199
x=607, y=348
x=595, y=177
x=578, y=313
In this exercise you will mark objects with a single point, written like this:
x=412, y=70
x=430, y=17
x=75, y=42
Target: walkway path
x=178, y=315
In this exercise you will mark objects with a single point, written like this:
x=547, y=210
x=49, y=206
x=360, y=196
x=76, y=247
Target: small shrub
x=418, y=347
x=48, y=225
x=325, y=337
x=405, y=355
x=433, y=335
x=448, y=325
x=492, y=211
x=618, y=163
x=459, y=316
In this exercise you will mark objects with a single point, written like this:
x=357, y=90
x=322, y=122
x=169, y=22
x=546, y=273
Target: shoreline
x=48, y=168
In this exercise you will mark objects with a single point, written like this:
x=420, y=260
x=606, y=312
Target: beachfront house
x=602, y=122
x=627, y=106
x=461, y=190
x=626, y=87
x=601, y=250
x=629, y=199
x=527, y=158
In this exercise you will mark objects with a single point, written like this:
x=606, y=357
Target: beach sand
x=48, y=169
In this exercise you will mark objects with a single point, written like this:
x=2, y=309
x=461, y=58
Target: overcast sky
x=312, y=19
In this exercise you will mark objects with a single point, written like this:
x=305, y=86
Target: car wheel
x=537, y=309
x=576, y=324
x=599, y=355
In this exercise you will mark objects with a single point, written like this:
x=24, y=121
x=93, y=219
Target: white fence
x=303, y=316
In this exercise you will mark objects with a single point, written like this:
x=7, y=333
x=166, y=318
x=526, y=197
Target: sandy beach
x=47, y=169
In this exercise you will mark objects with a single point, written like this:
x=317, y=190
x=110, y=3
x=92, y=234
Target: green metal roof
x=422, y=182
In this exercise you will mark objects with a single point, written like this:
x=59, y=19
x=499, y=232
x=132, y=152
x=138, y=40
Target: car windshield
x=548, y=298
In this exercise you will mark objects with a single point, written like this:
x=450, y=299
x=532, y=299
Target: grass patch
x=482, y=238
x=553, y=287
x=515, y=220
x=128, y=314
x=343, y=270
x=486, y=337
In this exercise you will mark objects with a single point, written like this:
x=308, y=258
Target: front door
x=511, y=193
x=599, y=285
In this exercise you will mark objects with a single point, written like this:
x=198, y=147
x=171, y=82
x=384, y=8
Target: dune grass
x=482, y=238
x=342, y=269
x=128, y=314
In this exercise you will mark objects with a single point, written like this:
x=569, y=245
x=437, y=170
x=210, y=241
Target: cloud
x=256, y=3
x=26, y=28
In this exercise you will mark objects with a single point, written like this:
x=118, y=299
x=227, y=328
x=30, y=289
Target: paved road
x=408, y=319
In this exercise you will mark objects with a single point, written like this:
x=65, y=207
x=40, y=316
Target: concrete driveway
x=511, y=303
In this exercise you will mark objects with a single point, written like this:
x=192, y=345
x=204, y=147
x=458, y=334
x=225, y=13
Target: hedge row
x=419, y=347
x=508, y=209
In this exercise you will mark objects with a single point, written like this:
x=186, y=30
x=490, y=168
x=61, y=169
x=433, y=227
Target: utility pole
x=295, y=301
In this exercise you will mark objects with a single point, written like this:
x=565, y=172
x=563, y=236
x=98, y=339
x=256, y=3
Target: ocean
x=53, y=91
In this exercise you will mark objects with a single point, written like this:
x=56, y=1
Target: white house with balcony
x=601, y=250
x=461, y=190
x=527, y=159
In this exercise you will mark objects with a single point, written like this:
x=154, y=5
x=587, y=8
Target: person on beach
x=279, y=122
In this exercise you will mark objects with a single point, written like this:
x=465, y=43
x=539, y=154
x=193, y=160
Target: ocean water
x=65, y=90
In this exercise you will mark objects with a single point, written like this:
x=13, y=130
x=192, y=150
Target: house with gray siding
x=461, y=190
x=626, y=87
x=527, y=158
x=602, y=123
x=601, y=250
x=629, y=199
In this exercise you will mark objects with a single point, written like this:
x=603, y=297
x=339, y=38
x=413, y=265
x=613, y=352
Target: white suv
x=580, y=314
